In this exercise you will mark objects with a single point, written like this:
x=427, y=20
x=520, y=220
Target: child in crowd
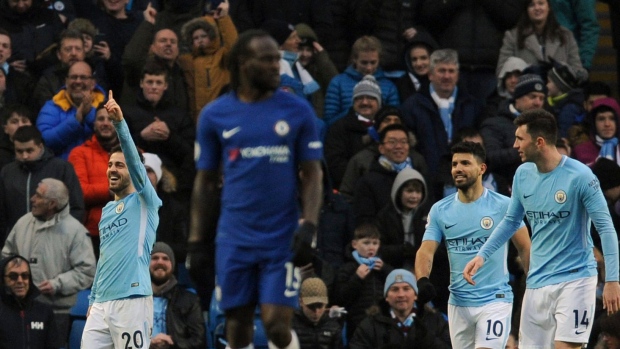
x=564, y=98
x=13, y=117
x=360, y=280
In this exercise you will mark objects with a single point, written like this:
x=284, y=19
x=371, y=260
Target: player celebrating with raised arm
x=479, y=316
x=560, y=197
x=262, y=137
x=121, y=303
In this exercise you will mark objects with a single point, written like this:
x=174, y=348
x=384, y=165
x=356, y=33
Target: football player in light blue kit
x=479, y=316
x=560, y=198
x=262, y=138
x=120, y=314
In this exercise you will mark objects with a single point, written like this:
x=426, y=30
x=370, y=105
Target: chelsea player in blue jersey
x=266, y=144
x=121, y=302
x=560, y=198
x=479, y=316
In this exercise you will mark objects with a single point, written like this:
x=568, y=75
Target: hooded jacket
x=60, y=129
x=25, y=323
x=59, y=250
x=19, y=181
x=567, y=109
x=405, y=84
x=206, y=73
x=184, y=321
x=510, y=65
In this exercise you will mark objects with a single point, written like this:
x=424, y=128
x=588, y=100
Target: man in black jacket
x=25, y=323
x=312, y=323
x=399, y=321
x=177, y=320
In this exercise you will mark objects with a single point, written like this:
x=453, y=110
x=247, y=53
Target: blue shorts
x=251, y=275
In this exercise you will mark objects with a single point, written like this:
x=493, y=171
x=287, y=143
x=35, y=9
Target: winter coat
x=404, y=84
x=134, y=59
x=90, y=162
x=472, y=27
x=339, y=95
x=531, y=52
x=579, y=17
x=31, y=32
x=588, y=151
x=387, y=20
x=421, y=116
x=372, y=192
x=359, y=164
x=567, y=109
x=7, y=151
x=326, y=334
x=60, y=129
x=26, y=323
x=429, y=330
x=19, y=181
x=184, y=321
x=344, y=139
x=59, y=250
x=357, y=295
x=206, y=74
x=498, y=133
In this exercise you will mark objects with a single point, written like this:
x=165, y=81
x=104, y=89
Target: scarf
x=5, y=67
x=513, y=110
x=310, y=85
x=446, y=107
x=370, y=262
x=406, y=325
x=608, y=147
x=389, y=165
x=414, y=80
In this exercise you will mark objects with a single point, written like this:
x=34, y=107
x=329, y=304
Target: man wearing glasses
x=24, y=321
x=67, y=119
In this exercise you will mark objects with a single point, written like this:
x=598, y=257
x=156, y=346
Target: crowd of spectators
x=393, y=84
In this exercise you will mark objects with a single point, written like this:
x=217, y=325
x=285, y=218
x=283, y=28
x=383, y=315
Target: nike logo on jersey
x=449, y=226
x=290, y=293
x=527, y=196
x=579, y=332
x=490, y=339
x=229, y=133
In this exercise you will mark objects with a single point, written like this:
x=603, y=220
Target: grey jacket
x=59, y=250
x=532, y=54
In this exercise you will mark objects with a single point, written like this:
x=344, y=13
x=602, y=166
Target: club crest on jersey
x=120, y=207
x=560, y=196
x=282, y=128
x=486, y=222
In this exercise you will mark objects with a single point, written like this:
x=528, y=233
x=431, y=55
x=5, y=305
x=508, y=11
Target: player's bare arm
x=611, y=297
x=311, y=190
x=424, y=258
x=521, y=240
x=204, y=206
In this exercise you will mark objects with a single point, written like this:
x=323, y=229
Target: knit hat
x=163, y=247
x=608, y=173
x=564, y=77
x=313, y=290
x=154, y=162
x=368, y=86
x=608, y=102
x=385, y=112
x=529, y=83
x=279, y=30
x=400, y=275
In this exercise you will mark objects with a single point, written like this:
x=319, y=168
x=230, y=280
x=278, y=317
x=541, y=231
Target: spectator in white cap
x=345, y=137
x=312, y=323
x=398, y=321
x=152, y=162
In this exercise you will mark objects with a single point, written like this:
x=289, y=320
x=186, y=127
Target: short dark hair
x=596, y=88
x=117, y=149
x=473, y=148
x=241, y=51
x=18, y=109
x=466, y=132
x=393, y=127
x=540, y=123
x=28, y=133
x=5, y=33
x=69, y=34
x=154, y=67
x=367, y=231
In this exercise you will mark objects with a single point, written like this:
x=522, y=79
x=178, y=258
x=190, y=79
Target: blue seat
x=77, y=316
x=80, y=308
x=217, y=324
x=75, y=336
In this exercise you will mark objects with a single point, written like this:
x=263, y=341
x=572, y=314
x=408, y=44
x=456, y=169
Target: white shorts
x=487, y=326
x=119, y=324
x=562, y=312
